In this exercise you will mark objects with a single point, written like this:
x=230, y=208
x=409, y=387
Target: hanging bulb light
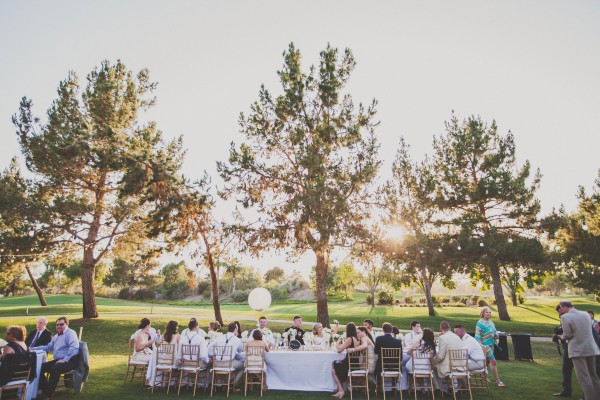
x=583, y=224
x=481, y=244
x=422, y=251
x=510, y=239
x=406, y=252
x=439, y=249
x=459, y=248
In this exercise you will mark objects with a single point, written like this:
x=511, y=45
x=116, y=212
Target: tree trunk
x=37, y=288
x=427, y=291
x=498, y=293
x=373, y=297
x=321, y=275
x=513, y=299
x=87, y=284
x=214, y=283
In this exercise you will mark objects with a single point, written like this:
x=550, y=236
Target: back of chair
x=421, y=362
x=459, y=360
x=16, y=367
x=391, y=359
x=165, y=354
x=190, y=355
x=255, y=357
x=358, y=361
x=222, y=356
x=131, y=348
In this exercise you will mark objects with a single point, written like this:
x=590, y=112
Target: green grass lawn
x=107, y=338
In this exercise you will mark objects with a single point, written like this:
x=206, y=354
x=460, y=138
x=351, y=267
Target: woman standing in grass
x=485, y=334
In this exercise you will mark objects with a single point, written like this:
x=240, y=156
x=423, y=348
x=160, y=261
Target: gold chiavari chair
x=19, y=382
x=190, y=366
x=421, y=370
x=163, y=368
x=358, y=370
x=255, y=368
x=134, y=367
x=222, y=361
x=391, y=369
x=459, y=372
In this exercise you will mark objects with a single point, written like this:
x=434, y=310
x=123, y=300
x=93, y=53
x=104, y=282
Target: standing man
x=567, y=364
x=582, y=348
x=65, y=347
x=299, y=332
x=40, y=336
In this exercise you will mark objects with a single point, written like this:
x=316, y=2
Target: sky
x=533, y=66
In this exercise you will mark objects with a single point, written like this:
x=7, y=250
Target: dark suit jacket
x=299, y=334
x=44, y=339
x=385, y=341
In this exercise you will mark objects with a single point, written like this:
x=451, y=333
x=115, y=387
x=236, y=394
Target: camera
x=557, y=332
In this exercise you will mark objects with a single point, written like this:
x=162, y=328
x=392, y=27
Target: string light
x=422, y=251
x=439, y=249
x=583, y=223
x=510, y=239
x=459, y=248
x=481, y=244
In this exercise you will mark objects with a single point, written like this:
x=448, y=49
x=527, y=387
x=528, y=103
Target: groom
x=299, y=331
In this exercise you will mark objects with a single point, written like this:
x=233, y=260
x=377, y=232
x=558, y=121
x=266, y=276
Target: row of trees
x=103, y=183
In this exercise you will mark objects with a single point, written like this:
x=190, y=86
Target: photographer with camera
x=567, y=365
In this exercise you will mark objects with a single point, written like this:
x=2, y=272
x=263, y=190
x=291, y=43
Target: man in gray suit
x=582, y=348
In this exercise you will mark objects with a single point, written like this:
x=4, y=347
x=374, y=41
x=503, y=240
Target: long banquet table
x=308, y=371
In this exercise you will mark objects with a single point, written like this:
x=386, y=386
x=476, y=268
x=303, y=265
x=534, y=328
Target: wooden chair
x=459, y=372
x=421, y=369
x=478, y=379
x=134, y=368
x=165, y=361
x=20, y=379
x=222, y=361
x=255, y=368
x=358, y=369
x=391, y=369
x=190, y=366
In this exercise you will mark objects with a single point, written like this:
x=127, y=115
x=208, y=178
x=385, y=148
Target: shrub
x=422, y=300
x=521, y=299
x=369, y=299
x=279, y=293
x=597, y=298
x=144, y=294
x=434, y=299
x=124, y=294
x=475, y=299
x=409, y=300
x=464, y=300
x=240, y=296
x=482, y=303
x=203, y=287
x=456, y=299
x=445, y=300
x=384, y=297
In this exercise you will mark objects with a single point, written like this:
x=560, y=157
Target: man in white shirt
x=262, y=327
x=474, y=350
x=230, y=339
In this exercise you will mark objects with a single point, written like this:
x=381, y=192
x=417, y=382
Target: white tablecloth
x=308, y=371
x=33, y=385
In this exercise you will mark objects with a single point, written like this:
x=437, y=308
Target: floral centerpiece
x=267, y=335
x=277, y=337
x=289, y=335
x=212, y=335
x=309, y=338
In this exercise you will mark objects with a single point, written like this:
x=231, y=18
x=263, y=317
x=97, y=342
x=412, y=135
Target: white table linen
x=33, y=385
x=308, y=371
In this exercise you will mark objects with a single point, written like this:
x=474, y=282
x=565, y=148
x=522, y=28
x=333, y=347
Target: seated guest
x=319, y=335
x=368, y=323
x=426, y=345
x=262, y=327
x=340, y=367
x=193, y=335
x=154, y=333
x=257, y=340
x=200, y=330
x=395, y=332
x=230, y=339
x=14, y=341
x=239, y=329
x=65, y=347
x=366, y=342
x=414, y=336
x=171, y=336
x=474, y=349
x=299, y=331
x=385, y=341
x=143, y=341
x=39, y=336
x=447, y=341
x=214, y=326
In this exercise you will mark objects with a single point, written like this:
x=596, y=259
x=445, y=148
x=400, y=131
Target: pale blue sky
x=534, y=66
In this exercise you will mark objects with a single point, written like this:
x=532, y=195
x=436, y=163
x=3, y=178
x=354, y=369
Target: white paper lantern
x=259, y=299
